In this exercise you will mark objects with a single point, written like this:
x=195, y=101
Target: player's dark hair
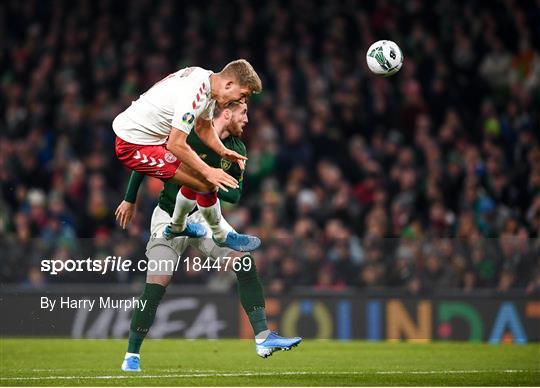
x=231, y=105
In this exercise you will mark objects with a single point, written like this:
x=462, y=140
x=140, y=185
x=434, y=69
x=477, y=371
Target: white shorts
x=164, y=254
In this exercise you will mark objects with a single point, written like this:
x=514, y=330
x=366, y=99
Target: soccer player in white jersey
x=163, y=255
x=151, y=139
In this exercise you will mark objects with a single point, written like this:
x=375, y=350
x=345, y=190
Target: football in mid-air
x=384, y=58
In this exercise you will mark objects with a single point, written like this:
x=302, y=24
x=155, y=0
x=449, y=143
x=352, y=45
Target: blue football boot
x=274, y=342
x=192, y=230
x=239, y=242
x=131, y=364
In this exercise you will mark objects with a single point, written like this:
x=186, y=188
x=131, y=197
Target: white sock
x=218, y=226
x=128, y=355
x=262, y=336
x=181, y=210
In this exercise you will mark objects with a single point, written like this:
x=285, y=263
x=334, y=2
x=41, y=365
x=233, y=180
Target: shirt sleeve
x=134, y=183
x=192, y=104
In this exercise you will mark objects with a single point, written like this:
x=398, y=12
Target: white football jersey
x=176, y=101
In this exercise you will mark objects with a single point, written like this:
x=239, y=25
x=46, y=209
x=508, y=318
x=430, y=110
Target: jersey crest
x=170, y=158
x=225, y=164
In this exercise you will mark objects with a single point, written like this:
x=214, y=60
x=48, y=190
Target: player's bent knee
x=193, y=180
x=209, y=188
x=236, y=256
x=204, y=187
x=162, y=280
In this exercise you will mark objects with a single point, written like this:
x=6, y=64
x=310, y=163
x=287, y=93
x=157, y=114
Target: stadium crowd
x=427, y=180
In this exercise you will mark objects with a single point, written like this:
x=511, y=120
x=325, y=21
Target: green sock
x=252, y=297
x=257, y=318
x=143, y=319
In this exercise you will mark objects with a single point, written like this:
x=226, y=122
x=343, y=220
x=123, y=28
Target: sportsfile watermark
x=112, y=263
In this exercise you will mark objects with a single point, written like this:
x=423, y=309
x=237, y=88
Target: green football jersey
x=167, y=197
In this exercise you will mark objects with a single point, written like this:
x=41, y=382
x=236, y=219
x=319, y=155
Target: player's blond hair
x=242, y=71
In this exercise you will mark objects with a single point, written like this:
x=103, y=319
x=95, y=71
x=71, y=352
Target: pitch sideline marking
x=160, y=370
x=248, y=374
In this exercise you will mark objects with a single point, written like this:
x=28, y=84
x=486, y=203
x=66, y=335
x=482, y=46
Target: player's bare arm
x=209, y=136
x=177, y=144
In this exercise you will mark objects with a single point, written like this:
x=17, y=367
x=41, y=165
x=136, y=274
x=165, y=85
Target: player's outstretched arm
x=178, y=145
x=209, y=136
x=126, y=210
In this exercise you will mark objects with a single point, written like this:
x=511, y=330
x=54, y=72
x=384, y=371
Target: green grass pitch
x=234, y=362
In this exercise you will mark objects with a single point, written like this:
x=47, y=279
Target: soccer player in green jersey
x=229, y=124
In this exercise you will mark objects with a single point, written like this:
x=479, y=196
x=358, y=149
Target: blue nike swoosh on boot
x=239, y=242
x=191, y=230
